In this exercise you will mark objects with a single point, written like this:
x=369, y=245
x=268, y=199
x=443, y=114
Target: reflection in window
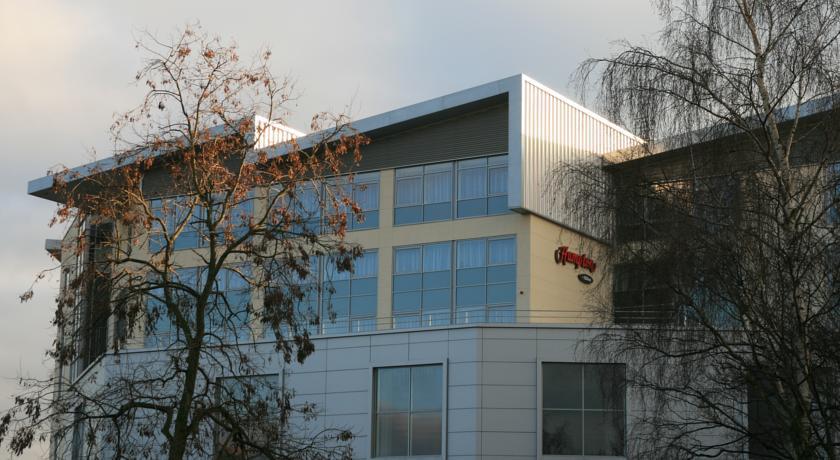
x=583, y=409
x=407, y=416
x=173, y=211
x=253, y=405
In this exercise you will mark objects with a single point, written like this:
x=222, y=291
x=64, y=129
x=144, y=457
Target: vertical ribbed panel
x=272, y=133
x=556, y=131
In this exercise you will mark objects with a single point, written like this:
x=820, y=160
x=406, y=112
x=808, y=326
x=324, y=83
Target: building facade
x=461, y=332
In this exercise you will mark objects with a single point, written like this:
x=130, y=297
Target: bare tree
x=724, y=250
x=196, y=239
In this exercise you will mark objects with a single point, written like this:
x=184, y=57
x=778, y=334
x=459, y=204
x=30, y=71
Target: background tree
x=725, y=297
x=198, y=239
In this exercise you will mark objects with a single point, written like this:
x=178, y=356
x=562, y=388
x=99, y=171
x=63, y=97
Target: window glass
x=583, y=409
x=408, y=412
x=471, y=253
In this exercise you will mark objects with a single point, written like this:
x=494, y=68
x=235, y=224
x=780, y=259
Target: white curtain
x=498, y=181
x=365, y=265
x=438, y=188
x=407, y=260
x=471, y=253
x=472, y=183
x=437, y=257
x=409, y=191
x=502, y=251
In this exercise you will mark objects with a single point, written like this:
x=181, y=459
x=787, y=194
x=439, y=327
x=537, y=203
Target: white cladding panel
x=555, y=131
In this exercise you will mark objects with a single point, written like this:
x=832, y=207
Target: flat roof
x=42, y=186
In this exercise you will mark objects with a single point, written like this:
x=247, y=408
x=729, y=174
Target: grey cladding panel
x=483, y=132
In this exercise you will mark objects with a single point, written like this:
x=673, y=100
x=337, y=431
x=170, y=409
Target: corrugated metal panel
x=556, y=131
x=483, y=132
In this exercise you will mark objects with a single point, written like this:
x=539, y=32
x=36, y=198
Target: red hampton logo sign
x=563, y=255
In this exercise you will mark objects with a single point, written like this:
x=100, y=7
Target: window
x=407, y=417
x=833, y=193
x=173, y=211
x=583, y=409
x=253, y=404
x=423, y=194
x=311, y=197
x=364, y=191
x=349, y=298
x=227, y=309
x=641, y=293
x=422, y=285
x=78, y=441
x=333, y=301
x=484, y=278
x=482, y=186
x=426, y=193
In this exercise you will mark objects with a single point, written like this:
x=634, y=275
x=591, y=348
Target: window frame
x=444, y=409
x=453, y=312
x=501, y=162
x=540, y=409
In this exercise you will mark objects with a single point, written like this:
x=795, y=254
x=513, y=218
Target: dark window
x=583, y=409
x=641, y=293
x=253, y=404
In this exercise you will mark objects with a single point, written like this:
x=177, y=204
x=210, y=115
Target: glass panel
x=470, y=296
x=393, y=389
x=472, y=208
x=404, y=283
x=470, y=315
x=502, y=251
x=471, y=253
x=438, y=167
x=471, y=276
x=406, y=301
x=365, y=265
x=392, y=435
x=439, y=318
x=433, y=280
x=562, y=432
x=370, y=220
x=363, y=305
x=603, y=386
x=437, y=188
x=497, y=181
x=406, y=321
x=410, y=215
x=501, y=315
x=426, y=382
x=501, y=274
x=501, y=294
x=497, y=204
x=408, y=172
x=437, y=299
x=603, y=433
x=497, y=160
x=407, y=260
x=562, y=386
x=366, y=286
x=425, y=433
x=439, y=211
x=436, y=257
x=409, y=192
x=338, y=306
x=472, y=183
x=367, y=196
x=337, y=288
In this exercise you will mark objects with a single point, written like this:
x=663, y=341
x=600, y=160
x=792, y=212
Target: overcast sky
x=67, y=67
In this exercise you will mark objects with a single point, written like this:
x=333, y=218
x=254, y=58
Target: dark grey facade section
x=476, y=133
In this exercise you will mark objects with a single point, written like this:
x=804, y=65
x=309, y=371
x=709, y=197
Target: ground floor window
x=407, y=414
x=583, y=409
